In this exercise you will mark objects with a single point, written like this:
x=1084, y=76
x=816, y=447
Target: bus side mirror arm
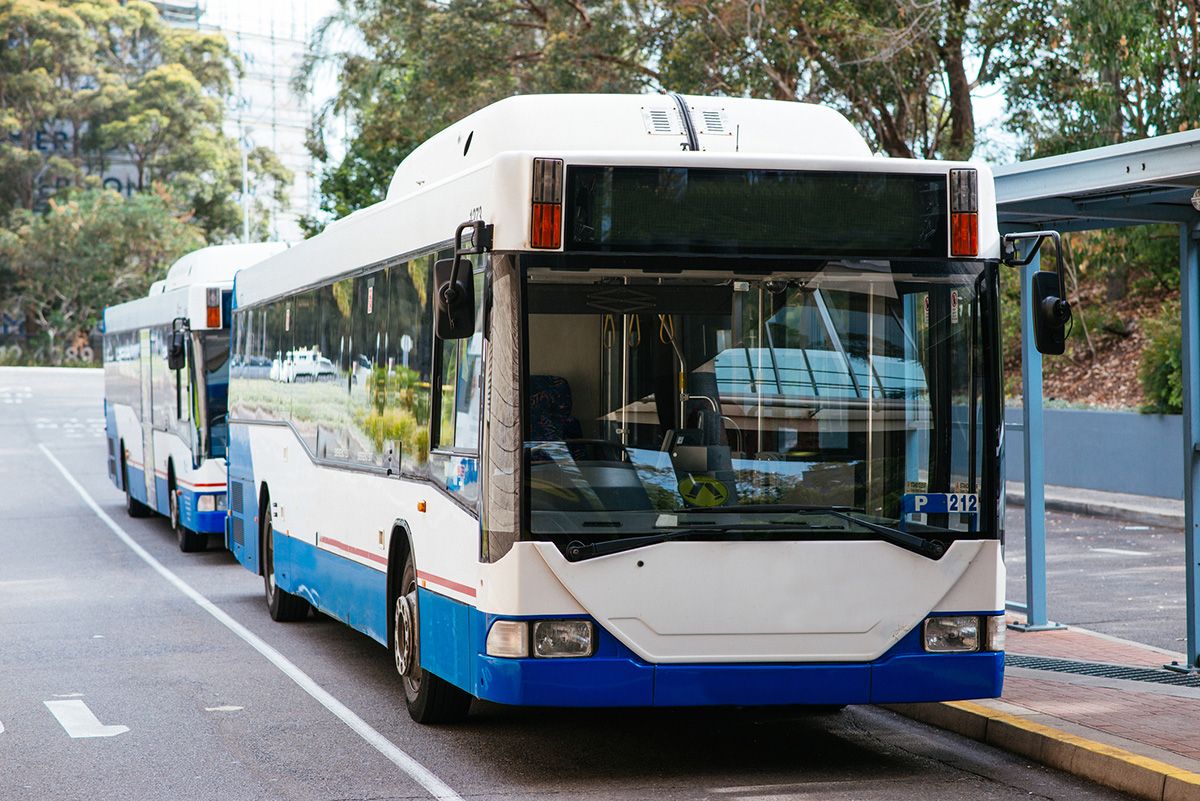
x=1052, y=312
x=454, y=299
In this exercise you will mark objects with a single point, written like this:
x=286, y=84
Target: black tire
x=430, y=699
x=189, y=541
x=283, y=606
x=133, y=507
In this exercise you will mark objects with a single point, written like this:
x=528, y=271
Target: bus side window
x=460, y=381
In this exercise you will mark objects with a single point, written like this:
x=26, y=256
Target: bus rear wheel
x=429, y=698
x=189, y=541
x=283, y=606
x=133, y=507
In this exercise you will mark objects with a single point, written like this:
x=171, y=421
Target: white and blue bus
x=637, y=401
x=166, y=377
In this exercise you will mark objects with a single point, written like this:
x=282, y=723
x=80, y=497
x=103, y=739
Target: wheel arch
x=399, y=549
x=264, y=509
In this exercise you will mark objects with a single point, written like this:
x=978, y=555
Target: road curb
x=1104, y=764
x=1093, y=509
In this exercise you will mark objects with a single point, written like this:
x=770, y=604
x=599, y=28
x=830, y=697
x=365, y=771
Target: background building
x=269, y=37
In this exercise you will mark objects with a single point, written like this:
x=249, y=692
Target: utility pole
x=244, y=141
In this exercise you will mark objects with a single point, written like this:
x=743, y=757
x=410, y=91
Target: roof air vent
x=710, y=121
x=662, y=121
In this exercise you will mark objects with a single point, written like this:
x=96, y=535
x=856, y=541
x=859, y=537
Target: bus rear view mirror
x=176, y=352
x=454, y=303
x=1050, y=314
x=1051, y=311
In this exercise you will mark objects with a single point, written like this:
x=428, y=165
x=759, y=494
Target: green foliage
x=89, y=84
x=1109, y=71
x=1161, y=370
x=90, y=88
x=417, y=66
x=91, y=251
x=897, y=69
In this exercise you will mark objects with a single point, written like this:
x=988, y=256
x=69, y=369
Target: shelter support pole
x=1189, y=292
x=1031, y=435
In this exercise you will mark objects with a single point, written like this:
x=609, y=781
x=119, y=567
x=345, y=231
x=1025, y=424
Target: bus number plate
x=940, y=503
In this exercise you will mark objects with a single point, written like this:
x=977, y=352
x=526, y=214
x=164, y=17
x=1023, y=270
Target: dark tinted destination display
x=706, y=210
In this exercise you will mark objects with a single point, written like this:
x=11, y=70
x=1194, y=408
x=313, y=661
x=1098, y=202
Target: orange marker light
x=964, y=234
x=421, y=506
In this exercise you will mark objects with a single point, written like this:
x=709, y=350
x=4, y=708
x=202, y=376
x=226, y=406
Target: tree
x=897, y=68
x=96, y=87
x=95, y=250
x=1107, y=71
x=417, y=66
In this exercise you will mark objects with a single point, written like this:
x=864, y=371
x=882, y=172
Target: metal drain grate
x=1153, y=675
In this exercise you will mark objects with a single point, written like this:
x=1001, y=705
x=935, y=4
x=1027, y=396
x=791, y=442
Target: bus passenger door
x=147, y=417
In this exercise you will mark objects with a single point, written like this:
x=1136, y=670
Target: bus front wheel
x=429, y=698
x=283, y=606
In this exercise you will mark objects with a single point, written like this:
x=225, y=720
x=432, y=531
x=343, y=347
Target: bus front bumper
x=615, y=676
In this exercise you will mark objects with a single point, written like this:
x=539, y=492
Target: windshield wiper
x=578, y=550
x=932, y=549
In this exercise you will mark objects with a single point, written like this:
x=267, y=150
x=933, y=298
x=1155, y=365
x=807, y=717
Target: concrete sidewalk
x=1124, y=731
x=1119, y=506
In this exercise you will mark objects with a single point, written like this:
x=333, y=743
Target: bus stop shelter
x=1149, y=181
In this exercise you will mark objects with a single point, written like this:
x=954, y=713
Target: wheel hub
x=405, y=634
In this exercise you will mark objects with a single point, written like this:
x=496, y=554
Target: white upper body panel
x=480, y=168
x=181, y=293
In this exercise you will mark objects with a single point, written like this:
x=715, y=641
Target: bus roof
x=167, y=299
x=478, y=168
x=217, y=264
x=627, y=123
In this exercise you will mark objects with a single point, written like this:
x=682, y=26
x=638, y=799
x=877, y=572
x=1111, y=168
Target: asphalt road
x=1112, y=576
x=195, y=710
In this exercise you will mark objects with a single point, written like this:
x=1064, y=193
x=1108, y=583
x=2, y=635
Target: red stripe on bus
x=181, y=483
x=447, y=583
x=341, y=546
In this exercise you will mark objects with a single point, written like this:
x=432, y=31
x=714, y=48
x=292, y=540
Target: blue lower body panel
x=353, y=593
x=452, y=646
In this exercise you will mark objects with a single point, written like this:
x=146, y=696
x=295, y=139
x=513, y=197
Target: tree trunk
x=962, y=112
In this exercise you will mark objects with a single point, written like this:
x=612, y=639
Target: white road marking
x=78, y=720
x=1, y=728
x=223, y=708
x=68, y=695
x=1121, y=552
x=418, y=772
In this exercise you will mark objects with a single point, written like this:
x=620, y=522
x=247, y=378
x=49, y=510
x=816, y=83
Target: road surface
x=131, y=670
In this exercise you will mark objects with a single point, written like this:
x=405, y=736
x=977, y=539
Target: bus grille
x=235, y=497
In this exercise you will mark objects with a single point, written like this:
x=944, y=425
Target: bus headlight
x=952, y=634
x=508, y=638
x=206, y=503
x=561, y=638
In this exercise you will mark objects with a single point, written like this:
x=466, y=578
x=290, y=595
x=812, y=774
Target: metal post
x=1189, y=292
x=1031, y=436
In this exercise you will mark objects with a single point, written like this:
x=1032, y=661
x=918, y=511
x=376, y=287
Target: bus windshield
x=655, y=401
x=212, y=366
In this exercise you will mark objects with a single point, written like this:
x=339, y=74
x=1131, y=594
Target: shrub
x=1161, y=370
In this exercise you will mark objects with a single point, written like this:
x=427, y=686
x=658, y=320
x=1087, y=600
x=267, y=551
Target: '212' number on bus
x=959, y=502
